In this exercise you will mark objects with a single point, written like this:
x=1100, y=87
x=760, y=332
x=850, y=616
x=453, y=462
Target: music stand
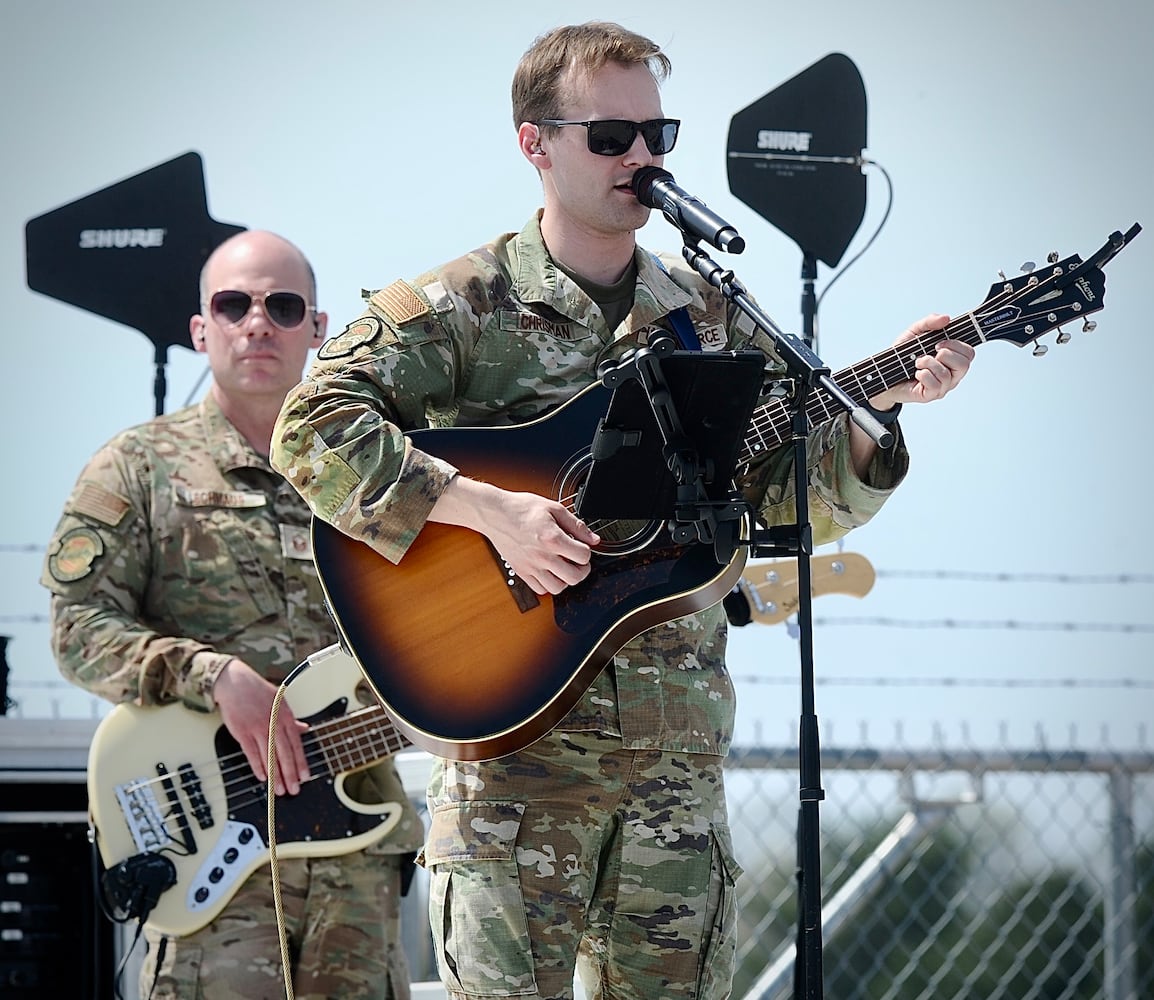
x=668, y=445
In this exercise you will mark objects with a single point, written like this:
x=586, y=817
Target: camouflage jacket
x=178, y=549
x=497, y=337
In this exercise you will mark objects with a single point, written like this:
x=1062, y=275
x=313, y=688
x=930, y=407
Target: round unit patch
x=359, y=332
x=79, y=549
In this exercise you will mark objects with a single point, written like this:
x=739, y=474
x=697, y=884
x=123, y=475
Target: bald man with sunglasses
x=181, y=571
x=605, y=844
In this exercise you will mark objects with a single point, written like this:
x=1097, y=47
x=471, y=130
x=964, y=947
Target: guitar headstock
x=1022, y=309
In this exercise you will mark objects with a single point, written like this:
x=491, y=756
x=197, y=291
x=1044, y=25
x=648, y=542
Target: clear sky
x=378, y=137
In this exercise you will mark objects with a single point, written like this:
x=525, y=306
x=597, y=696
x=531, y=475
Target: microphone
x=655, y=188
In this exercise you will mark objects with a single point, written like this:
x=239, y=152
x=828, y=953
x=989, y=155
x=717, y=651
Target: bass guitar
x=771, y=586
x=470, y=664
x=165, y=780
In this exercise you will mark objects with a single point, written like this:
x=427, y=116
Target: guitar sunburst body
x=469, y=662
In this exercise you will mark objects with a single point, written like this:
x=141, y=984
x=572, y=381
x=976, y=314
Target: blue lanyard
x=680, y=321
x=683, y=328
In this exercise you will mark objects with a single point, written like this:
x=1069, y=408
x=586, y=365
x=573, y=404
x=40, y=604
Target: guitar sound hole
x=618, y=536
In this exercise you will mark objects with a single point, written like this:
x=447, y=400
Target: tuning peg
x=1052, y=257
x=1027, y=267
x=1089, y=326
x=1001, y=274
x=1040, y=349
x=1063, y=337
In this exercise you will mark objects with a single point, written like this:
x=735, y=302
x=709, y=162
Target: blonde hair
x=583, y=49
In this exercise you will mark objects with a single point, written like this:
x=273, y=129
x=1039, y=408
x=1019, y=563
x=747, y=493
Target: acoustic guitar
x=470, y=664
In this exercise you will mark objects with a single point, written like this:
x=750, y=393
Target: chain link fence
x=983, y=874
x=950, y=875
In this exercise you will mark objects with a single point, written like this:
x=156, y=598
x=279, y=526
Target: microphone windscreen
x=643, y=182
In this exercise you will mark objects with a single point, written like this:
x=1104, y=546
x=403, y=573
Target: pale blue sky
x=378, y=137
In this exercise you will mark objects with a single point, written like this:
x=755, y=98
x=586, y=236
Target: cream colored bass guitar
x=771, y=585
x=171, y=781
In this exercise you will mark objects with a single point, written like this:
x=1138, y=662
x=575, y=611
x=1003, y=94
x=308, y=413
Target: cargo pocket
x=476, y=909
x=718, y=952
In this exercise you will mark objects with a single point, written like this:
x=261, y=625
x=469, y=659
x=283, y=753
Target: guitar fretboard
x=1019, y=309
x=354, y=740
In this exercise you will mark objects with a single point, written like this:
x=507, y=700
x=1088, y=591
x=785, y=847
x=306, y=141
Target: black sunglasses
x=614, y=136
x=285, y=309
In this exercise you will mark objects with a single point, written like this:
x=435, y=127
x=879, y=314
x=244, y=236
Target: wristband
x=885, y=417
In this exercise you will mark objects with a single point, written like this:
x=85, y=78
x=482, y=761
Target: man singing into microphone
x=605, y=844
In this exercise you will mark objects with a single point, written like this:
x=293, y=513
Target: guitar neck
x=772, y=422
x=354, y=740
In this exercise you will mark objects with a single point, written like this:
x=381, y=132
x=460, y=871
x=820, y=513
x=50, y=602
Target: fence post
x=1121, y=953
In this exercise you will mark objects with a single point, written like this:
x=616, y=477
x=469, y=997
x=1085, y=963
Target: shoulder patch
x=100, y=503
x=400, y=303
x=358, y=333
x=77, y=551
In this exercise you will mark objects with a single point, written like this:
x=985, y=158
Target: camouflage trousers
x=342, y=916
x=578, y=853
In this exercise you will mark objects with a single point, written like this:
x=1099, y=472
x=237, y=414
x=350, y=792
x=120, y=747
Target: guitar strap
x=680, y=321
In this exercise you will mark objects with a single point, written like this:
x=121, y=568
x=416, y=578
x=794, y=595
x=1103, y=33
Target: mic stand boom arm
x=798, y=358
x=797, y=540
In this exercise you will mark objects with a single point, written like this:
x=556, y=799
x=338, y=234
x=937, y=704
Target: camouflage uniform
x=631, y=777
x=178, y=549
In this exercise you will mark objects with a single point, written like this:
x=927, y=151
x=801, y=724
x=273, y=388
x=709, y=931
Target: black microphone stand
x=808, y=298
x=807, y=372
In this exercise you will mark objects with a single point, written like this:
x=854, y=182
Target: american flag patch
x=400, y=303
x=100, y=503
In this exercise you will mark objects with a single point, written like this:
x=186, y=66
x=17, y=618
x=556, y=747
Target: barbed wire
x=984, y=682
x=972, y=576
x=976, y=576
x=1068, y=683
x=1006, y=625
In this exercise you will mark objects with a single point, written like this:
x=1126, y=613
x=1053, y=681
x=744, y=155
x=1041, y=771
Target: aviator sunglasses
x=285, y=309
x=614, y=136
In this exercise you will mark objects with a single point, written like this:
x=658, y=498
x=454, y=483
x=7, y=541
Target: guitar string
x=242, y=789
x=887, y=365
x=570, y=502
x=237, y=779
x=774, y=417
x=772, y=424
